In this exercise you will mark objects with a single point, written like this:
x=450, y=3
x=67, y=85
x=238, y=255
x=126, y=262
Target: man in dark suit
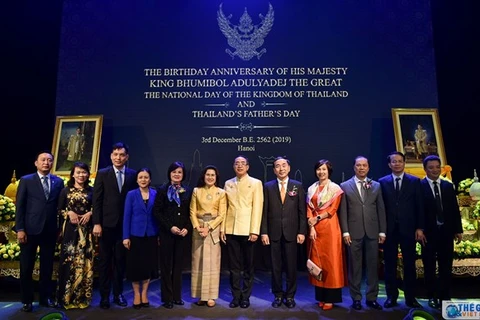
x=443, y=224
x=363, y=224
x=36, y=223
x=284, y=224
x=109, y=192
x=405, y=223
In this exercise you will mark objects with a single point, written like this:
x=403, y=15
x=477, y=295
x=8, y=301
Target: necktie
x=119, y=180
x=397, y=186
x=282, y=191
x=438, y=202
x=45, y=186
x=362, y=190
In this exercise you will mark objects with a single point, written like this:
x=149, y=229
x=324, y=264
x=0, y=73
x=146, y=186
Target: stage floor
x=260, y=303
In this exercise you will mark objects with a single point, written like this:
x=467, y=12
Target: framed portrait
x=418, y=134
x=76, y=138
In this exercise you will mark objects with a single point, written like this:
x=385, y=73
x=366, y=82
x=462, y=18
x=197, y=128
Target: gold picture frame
x=418, y=134
x=76, y=138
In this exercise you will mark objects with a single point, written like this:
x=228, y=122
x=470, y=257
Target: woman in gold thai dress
x=207, y=211
x=75, y=274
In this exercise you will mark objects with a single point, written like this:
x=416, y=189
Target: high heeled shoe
x=211, y=303
x=327, y=306
x=321, y=304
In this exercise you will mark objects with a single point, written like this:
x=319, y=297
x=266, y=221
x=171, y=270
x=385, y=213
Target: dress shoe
x=390, y=303
x=413, y=304
x=178, y=302
x=234, y=304
x=120, y=300
x=104, y=304
x=211, y=303
x=327, y=306
x=137, y=306
x=168, y=305
x=48, y=303
x=277, y=302
x=290, y=303
x=433, y=303
x=200, y=303
x=357, y=305
x=374, y=305
x=245, y=303
x=27, y=307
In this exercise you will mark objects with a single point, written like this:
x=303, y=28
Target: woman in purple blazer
x=140, y=235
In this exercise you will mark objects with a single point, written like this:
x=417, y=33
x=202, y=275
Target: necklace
x=209, y=196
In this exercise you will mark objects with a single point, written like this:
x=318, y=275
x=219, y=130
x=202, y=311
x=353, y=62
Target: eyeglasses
x=239, y=164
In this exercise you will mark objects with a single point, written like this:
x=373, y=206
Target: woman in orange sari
x=325, y=246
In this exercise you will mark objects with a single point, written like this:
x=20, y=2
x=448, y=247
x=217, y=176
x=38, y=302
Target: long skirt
x=206, y=255
x=75, y=274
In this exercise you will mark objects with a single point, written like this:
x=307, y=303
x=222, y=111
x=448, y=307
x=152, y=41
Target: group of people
x=138, y=226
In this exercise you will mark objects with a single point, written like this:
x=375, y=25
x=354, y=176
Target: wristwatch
x=319, y=218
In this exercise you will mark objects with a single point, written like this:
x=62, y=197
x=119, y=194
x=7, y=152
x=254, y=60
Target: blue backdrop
x=204, y=81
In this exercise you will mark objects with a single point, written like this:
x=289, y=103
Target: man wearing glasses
x=241, y=228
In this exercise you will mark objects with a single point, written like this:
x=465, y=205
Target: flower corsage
x=368, y=184
x=293, y=192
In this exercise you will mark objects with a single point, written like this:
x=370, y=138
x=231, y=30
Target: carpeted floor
x=260, y=303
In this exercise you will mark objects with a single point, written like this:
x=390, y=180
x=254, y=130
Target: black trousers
x=390, y=254
x=46, y=241
x=172, y=249
x=439, y=247
x=240, y=257
x=284, y=254
x=111, y=267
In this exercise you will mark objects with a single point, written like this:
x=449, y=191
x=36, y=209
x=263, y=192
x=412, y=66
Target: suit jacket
x=35, y=213
x=169, y=213
x=244, y=206
x=451, y=212
x=138, y=218
x=108, y=201
x=360, y=218
x=288, y=218
x=407, y=209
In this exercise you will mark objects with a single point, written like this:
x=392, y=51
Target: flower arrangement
x=368, y=184
x=467, y=249
x=293, y=192
x=7, y=209
x=463, y=188
x=475, y=213
x=9, y=252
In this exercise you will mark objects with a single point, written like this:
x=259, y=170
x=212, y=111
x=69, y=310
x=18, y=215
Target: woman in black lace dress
x=75, y=274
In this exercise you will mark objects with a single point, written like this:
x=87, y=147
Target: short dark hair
x=145, y=169
x=281, y=158
x=201, y=179
x=173, y=166
x=81, y=165
x=120, y=145
x=359, y=157
x=322, y=162
x=395, y=153
x=241, y=156
x=43, y=151
x=431, y=158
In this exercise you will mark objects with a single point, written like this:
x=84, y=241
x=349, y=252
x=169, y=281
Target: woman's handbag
x=312, y=268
